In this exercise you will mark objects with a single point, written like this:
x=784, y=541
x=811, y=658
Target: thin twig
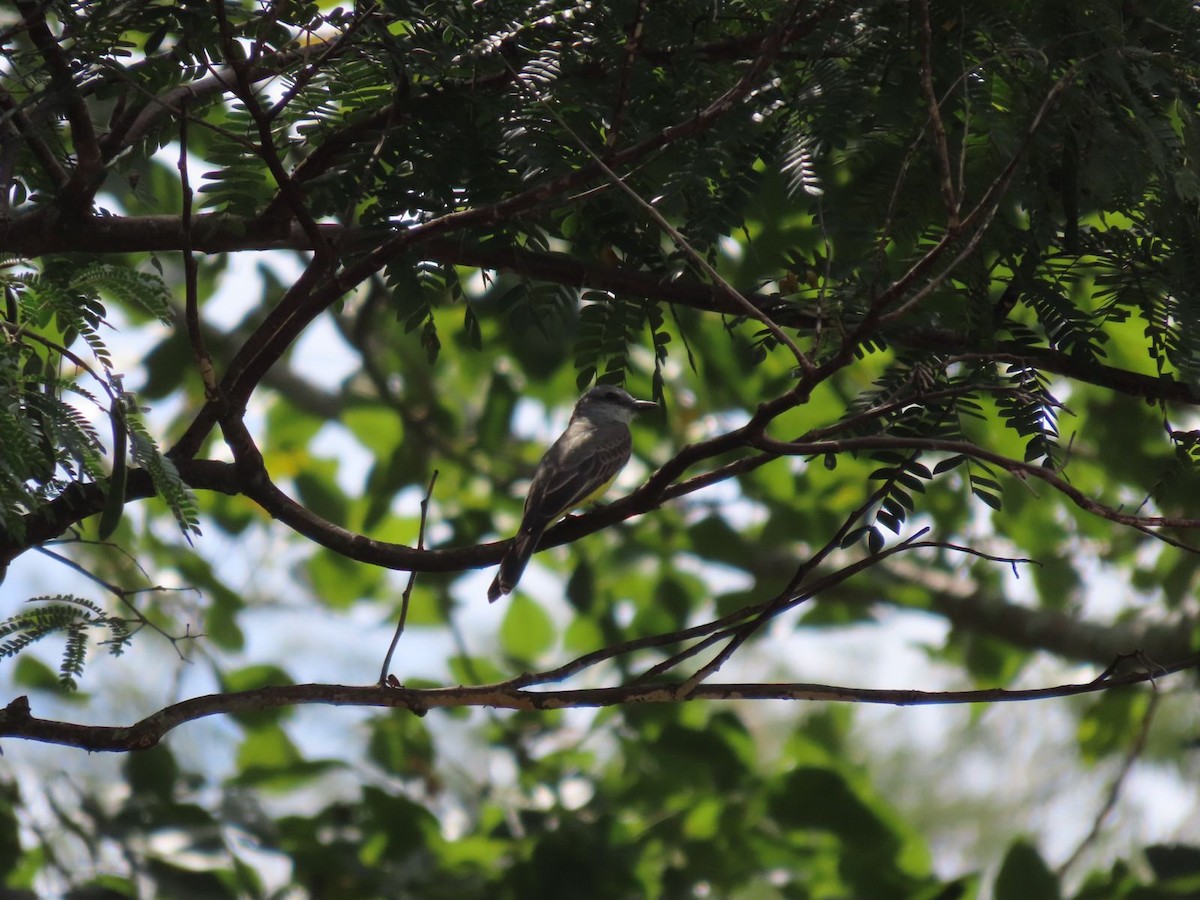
x=978, y=219
x=266, y=138
x=966, y=123
x=84, y=181
x=1015, y=467
x=633, y=41
x=1118, y=783
x=332, y=48
x=22, y=333
x=718, y=629
x=408, y=588
x=791, y=598
x=941, y=147
x=123, y=594
x=684, y=245
x=20, y=125
x=191, y=296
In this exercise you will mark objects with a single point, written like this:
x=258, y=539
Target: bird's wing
x=582, y=461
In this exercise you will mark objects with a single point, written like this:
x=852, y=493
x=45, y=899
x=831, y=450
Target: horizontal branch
x=35, y=234
x=17, y=721
x=1017, y=468
x=80, y=500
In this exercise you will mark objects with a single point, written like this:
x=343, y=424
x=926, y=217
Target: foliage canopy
x=915, y=283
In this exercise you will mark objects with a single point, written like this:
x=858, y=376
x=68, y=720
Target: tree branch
x=267, y=150
x=1114, y=790
x=17, y=126
x=76, y=195
x=17, y=721
x=33, y=235
x=941, y=147
x=1012, y=466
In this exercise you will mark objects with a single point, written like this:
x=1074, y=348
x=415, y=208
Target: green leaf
x=249, y=678
x=221, y=621
x=990, y=499
x=1177, y=865
x=154, y=772
x=338, y=582
x=1111, y=722
x=1025, y=876
x=527, y=631
x=948, y=464
x=581, y=587
x=267, y=748
x=378, y=429
x=475, y=670
x=32, y=673
x=400, y=743
x=471, y=332
x=320, y=493
x=991, y=662
x=494, y=427
x=713, y=538
x=268, y=760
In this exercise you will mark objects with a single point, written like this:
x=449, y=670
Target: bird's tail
x=513, y=564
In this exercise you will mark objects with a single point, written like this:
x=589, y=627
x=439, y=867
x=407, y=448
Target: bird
x=578, y=468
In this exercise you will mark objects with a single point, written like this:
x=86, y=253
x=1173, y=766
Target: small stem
x=412, y=580
x=941, y=146
x=191, y=313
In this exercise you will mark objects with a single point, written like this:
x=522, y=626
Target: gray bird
x=578, y=468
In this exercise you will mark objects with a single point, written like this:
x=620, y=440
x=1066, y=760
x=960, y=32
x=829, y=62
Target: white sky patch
x=242, y=281
x=333, y=441
x=327, y=359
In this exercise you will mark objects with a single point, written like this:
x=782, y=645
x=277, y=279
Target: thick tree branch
x=298, y=390
x=34, y=235
x=16, y=720
x=79, y=501
x=85, y=500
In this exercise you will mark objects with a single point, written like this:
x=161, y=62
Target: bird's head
x=609, y=403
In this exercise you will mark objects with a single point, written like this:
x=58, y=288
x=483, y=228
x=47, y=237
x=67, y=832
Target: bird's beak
x=643, y=405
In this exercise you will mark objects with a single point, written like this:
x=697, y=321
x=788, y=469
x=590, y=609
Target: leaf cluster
x=49, y=443
x=68, y=616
